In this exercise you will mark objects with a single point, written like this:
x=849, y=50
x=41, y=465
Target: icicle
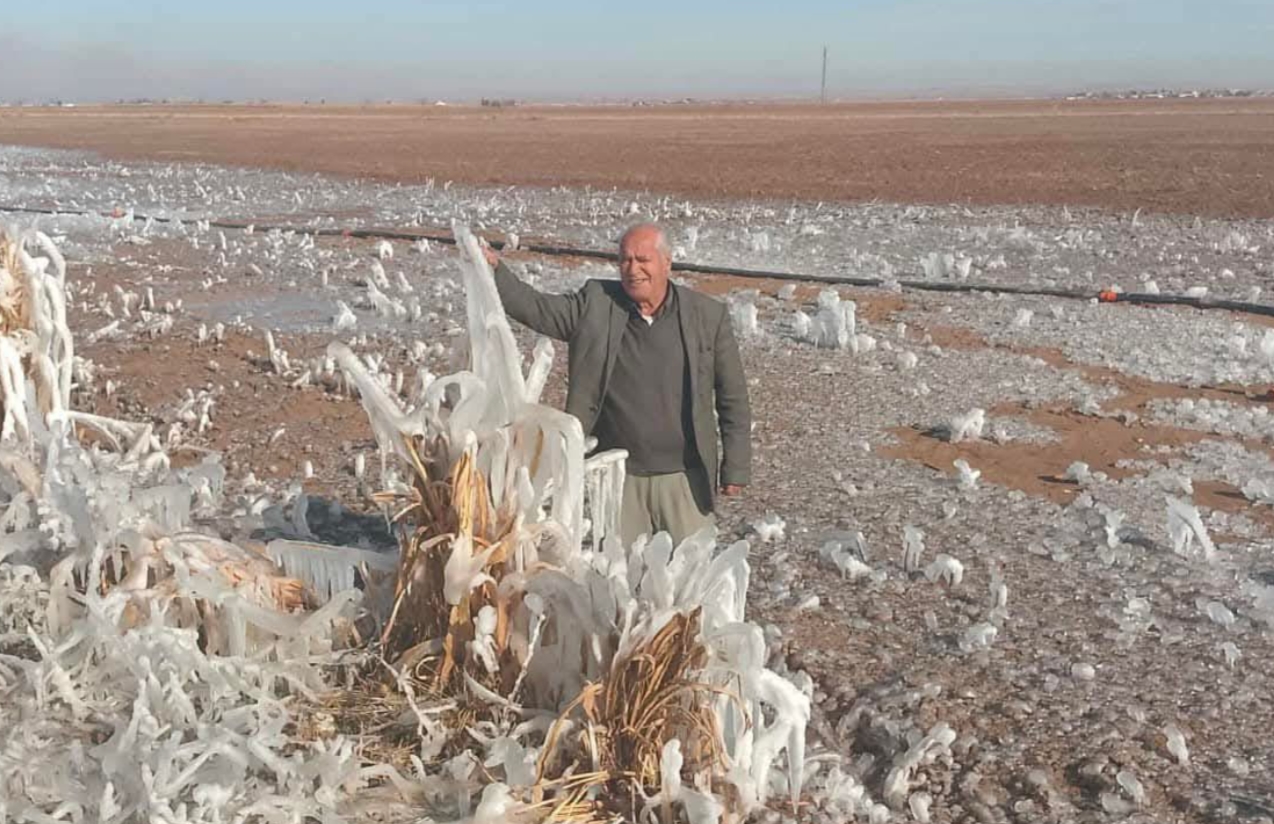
x=327, y=569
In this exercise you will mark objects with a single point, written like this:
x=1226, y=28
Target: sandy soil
x=1205, y=157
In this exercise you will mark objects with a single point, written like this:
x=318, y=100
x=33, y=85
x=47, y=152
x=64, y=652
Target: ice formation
x=968, y=475
x=1077, y=472
x=770, y=528
x=344, y=319
x=847, y=554
x=1185, y=527
x=924, y=751
x=140, y=630
x=1131, y=785
x=1176, y=744
x=604, y=603
x=913, y=548
x=968, y=426
x=978, y=636
x=166, y=666
x=937, y=266
x=1218, y=613
x=945, y=569
x=833, y=326
x=743, y=318
x=1083, y=671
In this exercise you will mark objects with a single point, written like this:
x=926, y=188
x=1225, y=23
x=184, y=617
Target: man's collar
x=669, y=304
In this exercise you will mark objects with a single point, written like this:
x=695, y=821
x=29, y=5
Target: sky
x=564, y=50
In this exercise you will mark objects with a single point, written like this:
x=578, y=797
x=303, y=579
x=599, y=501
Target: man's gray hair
x=661, y=238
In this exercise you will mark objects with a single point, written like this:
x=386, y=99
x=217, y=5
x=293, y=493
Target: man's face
x=643, y=269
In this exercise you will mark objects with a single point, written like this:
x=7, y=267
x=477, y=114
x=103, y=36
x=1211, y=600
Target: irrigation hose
x=1103, y=296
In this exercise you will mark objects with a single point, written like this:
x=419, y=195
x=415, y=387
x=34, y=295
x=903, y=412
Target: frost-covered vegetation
x=165, y=665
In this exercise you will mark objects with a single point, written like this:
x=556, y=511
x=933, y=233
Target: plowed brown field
x=1208, y=157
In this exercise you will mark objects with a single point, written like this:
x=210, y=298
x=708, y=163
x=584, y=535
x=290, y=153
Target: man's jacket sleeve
x=555, y=316
x=734, y=414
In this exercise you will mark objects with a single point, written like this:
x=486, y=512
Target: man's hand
x=493, y=259
x=732, y=490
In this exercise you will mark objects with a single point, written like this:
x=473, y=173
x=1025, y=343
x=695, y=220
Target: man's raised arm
x=554, y=316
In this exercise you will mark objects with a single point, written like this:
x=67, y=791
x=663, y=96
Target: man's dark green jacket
x=592, y=322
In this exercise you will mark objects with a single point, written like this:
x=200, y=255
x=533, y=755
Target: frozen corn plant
x=142, y=664
x=615, y=672
x=151, y=672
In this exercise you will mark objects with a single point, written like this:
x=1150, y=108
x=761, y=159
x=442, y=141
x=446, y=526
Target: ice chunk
x=1113, y=805
x=1077, y=472
x=913, y=548
x=999, y=598
x=1176, y=744
x=846, y=555
x=743, y=318
x=1259, y=490
x=769, y=529
x=968, y=475
x=1131, y=785
x=344, y=319
x=517, y=761
x=919, y=804
x=1113, y=521
x=898, y=781
x=833, y=326
x=978, y=636
x=327, y=569
x=1185, y=527
x=1266, y=347
x=497, y=805
x=1219, y=613
x=465, y=570
x=946, y=569
x=1232, y=654
x=967, y=426
x=808, y=603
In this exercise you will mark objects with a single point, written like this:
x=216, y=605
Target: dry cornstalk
x=650, y=697
x=441, y=506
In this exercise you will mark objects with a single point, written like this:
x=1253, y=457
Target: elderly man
x=654, y=370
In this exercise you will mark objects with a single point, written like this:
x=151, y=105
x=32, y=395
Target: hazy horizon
x=84, y=52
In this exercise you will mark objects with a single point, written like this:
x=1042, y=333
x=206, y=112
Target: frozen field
x=1098, y=652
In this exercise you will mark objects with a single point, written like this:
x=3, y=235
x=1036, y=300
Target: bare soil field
x=1197, y=157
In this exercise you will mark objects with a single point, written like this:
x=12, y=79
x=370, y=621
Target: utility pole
x=822, y=94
